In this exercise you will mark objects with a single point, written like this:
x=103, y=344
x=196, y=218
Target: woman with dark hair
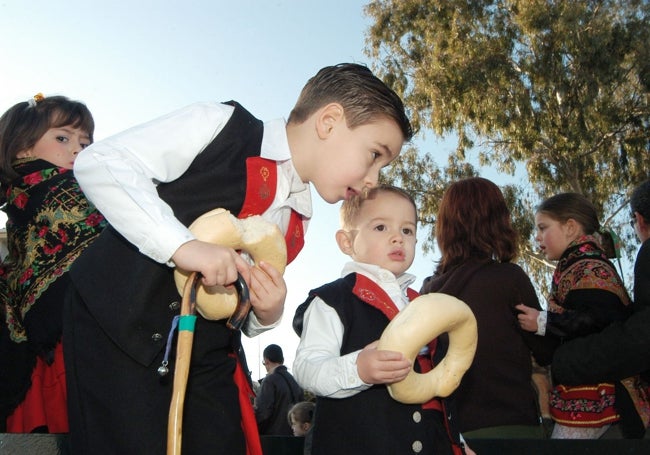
x=496, y=397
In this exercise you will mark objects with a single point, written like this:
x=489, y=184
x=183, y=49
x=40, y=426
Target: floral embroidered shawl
x=584, y=265
x=49, y=224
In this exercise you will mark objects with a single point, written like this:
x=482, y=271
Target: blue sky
x=131, y=61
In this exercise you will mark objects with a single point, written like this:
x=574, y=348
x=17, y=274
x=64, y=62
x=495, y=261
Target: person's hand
x=381, y=367
x=217, y=264
x=527, y=317
x=268, y=291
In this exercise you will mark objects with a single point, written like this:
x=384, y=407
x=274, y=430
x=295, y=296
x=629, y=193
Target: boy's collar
x=275, y=145
x=378, y=274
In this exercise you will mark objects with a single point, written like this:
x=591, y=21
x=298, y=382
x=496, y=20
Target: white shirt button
x=417, y=446
x=417, y=417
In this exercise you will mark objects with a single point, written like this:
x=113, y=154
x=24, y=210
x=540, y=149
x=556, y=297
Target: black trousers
x=119, y=406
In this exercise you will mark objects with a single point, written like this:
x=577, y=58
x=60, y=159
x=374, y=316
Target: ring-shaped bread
x=261, y=240
x=421, y=321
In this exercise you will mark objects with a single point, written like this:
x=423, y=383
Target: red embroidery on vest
x=261, y=184
x=294, y=237
x=370, y=292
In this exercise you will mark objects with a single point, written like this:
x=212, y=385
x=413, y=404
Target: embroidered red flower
x=63, y=236
x=52, y=250
x=42, y=232
x=27, y=274
x=20, y=200
x=94, y=219
x=33, y=178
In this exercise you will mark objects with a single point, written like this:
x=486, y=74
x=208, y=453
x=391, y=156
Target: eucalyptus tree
x=558, y=89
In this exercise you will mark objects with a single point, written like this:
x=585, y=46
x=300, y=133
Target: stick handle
x=238, y=317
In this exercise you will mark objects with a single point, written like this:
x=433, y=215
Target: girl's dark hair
x=565, y=206
x=25, y=123
x=474, y=222
x=640, y=200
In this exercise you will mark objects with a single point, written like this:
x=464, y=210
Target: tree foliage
x=557, y=87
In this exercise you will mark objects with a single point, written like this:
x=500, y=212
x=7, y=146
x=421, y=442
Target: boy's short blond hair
x=351, y=207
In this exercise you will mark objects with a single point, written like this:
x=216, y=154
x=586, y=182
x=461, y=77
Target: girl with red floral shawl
x=587, y=294
x=49, y=223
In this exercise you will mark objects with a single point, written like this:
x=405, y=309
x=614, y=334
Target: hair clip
x=34, y=100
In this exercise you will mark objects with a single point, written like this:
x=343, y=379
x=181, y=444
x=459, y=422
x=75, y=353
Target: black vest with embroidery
x=371, y=421
x=133, y=297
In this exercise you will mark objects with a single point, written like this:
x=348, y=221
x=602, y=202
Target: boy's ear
x=328, y=117
x=344, y=241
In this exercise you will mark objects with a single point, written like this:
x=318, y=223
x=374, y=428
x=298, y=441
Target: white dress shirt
x=120, y=174
x=319, y=366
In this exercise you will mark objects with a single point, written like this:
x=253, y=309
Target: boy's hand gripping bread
x=258, y=238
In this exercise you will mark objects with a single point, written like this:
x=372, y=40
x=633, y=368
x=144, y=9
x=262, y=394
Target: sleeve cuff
x=541, y=323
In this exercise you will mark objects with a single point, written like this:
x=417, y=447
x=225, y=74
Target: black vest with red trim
x=371, y=421
x=133, y=297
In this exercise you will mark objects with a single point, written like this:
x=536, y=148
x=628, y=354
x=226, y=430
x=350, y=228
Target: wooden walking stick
x=184, y=351
x=182, y=366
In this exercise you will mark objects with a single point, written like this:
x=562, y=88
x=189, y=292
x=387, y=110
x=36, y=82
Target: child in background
x=49, y=223
x=153, y=181
x=340, y=324
x=622, y=350
x=300, y=417
x=587, y=294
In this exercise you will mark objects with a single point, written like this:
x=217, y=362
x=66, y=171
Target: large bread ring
x=421, y=321
x=260, y=239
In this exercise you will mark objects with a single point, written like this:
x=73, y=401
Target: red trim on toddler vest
x=371, y=293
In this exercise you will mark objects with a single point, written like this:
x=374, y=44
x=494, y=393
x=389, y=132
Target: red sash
x=261, y=185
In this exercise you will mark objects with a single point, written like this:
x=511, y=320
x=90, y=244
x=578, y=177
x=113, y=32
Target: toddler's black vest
x=360, y=422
